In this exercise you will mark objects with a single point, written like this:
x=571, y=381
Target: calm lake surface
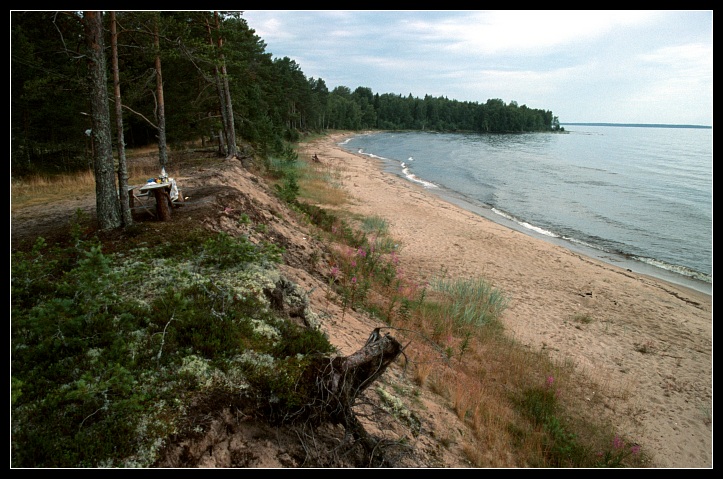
x=638, y=197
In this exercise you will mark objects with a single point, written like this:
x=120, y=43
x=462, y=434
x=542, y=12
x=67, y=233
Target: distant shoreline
x=640, y=125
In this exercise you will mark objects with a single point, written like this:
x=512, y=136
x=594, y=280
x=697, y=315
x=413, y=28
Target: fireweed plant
x=356, y=271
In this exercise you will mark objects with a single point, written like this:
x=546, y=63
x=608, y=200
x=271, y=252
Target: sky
x=584, y=66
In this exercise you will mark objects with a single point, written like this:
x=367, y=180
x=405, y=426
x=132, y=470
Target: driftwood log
x=347, y=377
x=338, y=382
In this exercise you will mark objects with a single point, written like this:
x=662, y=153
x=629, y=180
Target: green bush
x=108, y=351
x=226, y=251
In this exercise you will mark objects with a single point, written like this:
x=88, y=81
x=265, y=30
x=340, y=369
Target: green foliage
x=204, y=319
x=474, y=301
x=226, y=251
x=32, y=274
x=319, y=216
x=285, y=385
x=286, y=170
x=540, y=404
x=289, y=154
x=375, y=224
x=108, y=351
x=275, y=103
x=297, y=340
x=283, y=389
x=561, y=447
x=69, y=354
x=288, y=191
x=368, y=262
x=564, y=448
x=620, y=453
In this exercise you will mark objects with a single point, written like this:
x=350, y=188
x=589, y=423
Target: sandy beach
x=650, y=342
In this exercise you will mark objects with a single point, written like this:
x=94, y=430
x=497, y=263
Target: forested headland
x=190, y=76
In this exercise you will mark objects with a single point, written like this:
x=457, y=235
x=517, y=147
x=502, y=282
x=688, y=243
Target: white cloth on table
x=174, y=189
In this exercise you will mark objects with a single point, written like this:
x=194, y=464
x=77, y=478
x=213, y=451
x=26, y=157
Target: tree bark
x=106, y=195
x=221, y=96
x=161, y=114
x=126, y=215
x=228, y=117
x=224, y=93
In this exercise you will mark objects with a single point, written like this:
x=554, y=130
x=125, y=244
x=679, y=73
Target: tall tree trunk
x=230, y=125
x=224, y=113
x=221, y=97
x=221, y=142
x=126, y=215
x=106, y=197
x=161, y=113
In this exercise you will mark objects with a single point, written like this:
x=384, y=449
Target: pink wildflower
x=618, y=443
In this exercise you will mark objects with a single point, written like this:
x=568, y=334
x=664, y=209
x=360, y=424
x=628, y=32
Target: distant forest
x=191, y=76
x=641, y=125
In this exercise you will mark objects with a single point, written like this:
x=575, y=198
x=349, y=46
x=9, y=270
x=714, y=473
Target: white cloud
x=626, y=64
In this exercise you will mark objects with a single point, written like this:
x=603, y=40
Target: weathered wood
x=162, y=201
x=350, y=376
x=327, y=388
x=370, y=362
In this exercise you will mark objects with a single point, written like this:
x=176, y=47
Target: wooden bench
x=160, y=191
x=140, y=201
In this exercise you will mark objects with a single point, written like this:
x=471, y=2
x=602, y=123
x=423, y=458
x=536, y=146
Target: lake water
x=638, y=197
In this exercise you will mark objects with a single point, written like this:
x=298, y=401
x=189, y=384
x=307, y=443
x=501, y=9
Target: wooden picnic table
x=161, y=191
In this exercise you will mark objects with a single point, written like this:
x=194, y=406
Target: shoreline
x=649, y=342
x=614, y=259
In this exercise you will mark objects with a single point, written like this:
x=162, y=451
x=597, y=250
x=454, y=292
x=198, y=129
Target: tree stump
x=345, y=378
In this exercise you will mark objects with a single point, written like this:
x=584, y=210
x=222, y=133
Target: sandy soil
x=220, y=192
x=650, y=342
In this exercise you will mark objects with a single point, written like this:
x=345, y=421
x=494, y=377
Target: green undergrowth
x=109, y=351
